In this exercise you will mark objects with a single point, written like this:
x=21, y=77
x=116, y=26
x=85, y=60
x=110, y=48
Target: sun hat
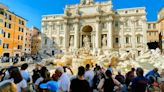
x=52, y=86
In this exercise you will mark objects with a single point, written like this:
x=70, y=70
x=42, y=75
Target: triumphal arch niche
x=88, y=26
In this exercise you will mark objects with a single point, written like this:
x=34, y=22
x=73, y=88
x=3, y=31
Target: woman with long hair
x=18, y=80
x=7, y=86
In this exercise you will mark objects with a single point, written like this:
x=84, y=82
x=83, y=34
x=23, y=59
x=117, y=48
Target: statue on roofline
x=87, y=2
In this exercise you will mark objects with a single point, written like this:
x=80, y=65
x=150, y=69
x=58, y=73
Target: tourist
x=153, y=85
x=129, y=76
x=96, y=67
x=21, y=84
x=89, y=75
x=139, y=84
x=46, y=78
x=79, y=84
x=98, y=76
x=120, y=77
x=63, y=80
x=8, y=86
x=110, y=68
x=36, y=73
x=24, y=72
x=107, y=84
x=43, y=76
x=154, y=73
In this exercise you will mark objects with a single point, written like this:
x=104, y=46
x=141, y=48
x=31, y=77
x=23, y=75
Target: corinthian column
x=76, y=36
x=98, y=35
x=66, y=36
x=144, y=29
x=109, y=36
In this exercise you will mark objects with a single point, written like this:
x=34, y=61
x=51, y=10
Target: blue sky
x=32, y=10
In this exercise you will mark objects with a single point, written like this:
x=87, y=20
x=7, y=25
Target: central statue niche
x=86, y=37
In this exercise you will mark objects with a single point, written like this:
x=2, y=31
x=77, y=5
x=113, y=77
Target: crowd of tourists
x=88, y=79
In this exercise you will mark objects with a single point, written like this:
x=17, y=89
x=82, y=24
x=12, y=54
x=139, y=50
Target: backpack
x=108, y=85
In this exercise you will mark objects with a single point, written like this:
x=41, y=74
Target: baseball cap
x=52, y=86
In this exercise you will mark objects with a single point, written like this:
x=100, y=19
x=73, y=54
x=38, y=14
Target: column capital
x=65, y=22
x=76, y=21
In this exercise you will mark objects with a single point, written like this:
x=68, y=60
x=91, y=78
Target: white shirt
x=89, y=75
x=38, y=81
x=20, y=85
x=64, y=83
x=25, y=74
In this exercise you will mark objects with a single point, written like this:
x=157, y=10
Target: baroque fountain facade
x=92, y=32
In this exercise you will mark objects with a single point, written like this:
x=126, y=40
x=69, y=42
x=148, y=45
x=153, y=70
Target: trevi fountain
x=93, y=33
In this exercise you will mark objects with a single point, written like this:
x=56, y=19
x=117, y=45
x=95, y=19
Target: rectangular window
x=19, y=37
x=138, y=39
x=22, y=22
x=127, y=40
x=8, y=35
x=6, y=46
x=19, y=46
x=22, y=38
x=149, y=26
x=22, y=29
x=9, y=26
x=5, y=15
x=116, y=24
x=9, y=17
x=154, y=26
x=1, y=12
x=117, y=40
x=19, y=21
x=19, y=29
x=149, y=33
x=5, y=24
x=45, y=42
x=4, y=34
x=1, y=31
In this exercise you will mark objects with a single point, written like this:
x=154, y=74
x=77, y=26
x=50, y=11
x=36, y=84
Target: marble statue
x=71, y=42
x=104, y=41
x=77, y=11
x=83, y=2
x=86, y=41
x=87, y=2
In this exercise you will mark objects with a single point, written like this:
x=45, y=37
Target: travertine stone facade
x=97, y=26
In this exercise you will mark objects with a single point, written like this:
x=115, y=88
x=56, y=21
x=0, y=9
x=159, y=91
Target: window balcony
x=128, y=45
x=139, y=45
